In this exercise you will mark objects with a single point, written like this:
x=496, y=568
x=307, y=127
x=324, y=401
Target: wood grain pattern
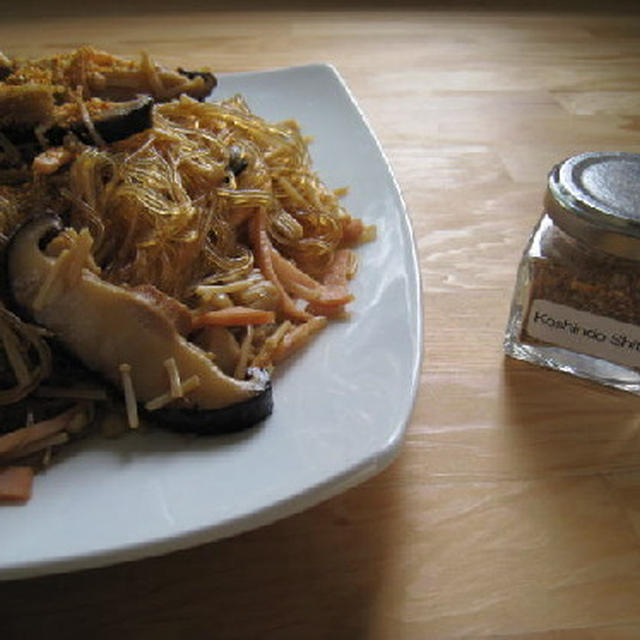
x=513, y=510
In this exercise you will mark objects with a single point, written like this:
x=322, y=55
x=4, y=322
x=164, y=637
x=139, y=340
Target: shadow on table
x=569, y=508
x=564, y=425
x=314, y=575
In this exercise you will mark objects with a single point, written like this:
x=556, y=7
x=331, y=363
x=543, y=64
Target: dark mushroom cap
x=231, y=419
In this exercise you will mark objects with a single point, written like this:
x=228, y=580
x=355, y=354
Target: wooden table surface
x=513, y=509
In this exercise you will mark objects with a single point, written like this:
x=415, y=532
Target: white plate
x=341, y=408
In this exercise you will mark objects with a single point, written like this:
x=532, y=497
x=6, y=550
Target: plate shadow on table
x=317, y=574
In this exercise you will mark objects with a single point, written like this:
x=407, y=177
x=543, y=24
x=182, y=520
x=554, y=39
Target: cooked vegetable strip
x=286, y=270
x=265, y=356
x=292, y=193
x=46, y=457
x=264, y=257
x=243, y=356
x=152, y=74
x=17, y=440
x=356, y=232
x=98, y=140
x=342, y=269
x=340, y=272
x=67, y=268
x=187, y=386
x=297, y=338
x=43, y=444
x=80, y=257
x=16, y=484
x=234, y=317
x=174, y=377
x=206, y=290
x=301, y=285
x=129, y=396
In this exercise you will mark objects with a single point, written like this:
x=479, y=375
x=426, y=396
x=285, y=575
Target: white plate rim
x=296, y=502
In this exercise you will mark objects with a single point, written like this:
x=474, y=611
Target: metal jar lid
x=595, y=197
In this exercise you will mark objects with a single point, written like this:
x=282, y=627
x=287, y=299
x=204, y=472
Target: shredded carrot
x=317, y=310
x=335, y=280
x=297, y=338
x=286, y=270
x=234, y=317
x=331, y=293
x=353, y=231
x=56, y=440
x=264, y=357
x=341, y=269
x=20, y=438
x=16, y=484
x=263, y=251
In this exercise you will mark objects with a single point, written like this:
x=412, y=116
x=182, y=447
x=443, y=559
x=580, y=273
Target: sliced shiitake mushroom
x=106, y=326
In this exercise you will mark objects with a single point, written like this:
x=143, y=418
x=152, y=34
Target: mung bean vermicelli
x=199, y=221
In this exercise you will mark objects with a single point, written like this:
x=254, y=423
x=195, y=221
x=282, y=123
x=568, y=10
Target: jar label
x=584, y=332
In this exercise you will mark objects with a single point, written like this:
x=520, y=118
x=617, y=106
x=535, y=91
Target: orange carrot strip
x=297, y=338
x=335, y=279
x=55, y=440
x=334, y=294
x=352, y=231
x=19, y=438
x=338, y=273
x=234, y=316
x=16, y=484
x=324, y=296
x=262, y=250
x=287, y=270
x=317, y=309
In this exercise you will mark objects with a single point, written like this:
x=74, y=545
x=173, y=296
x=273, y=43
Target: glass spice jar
x=576, y=305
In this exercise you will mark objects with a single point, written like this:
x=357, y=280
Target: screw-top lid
x=596, y=198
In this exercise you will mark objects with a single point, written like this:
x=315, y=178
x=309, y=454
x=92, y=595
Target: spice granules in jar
x=576, y=304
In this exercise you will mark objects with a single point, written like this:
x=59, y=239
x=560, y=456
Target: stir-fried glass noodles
x=159, y=272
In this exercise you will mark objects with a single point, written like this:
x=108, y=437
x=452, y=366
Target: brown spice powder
x=606, y=288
